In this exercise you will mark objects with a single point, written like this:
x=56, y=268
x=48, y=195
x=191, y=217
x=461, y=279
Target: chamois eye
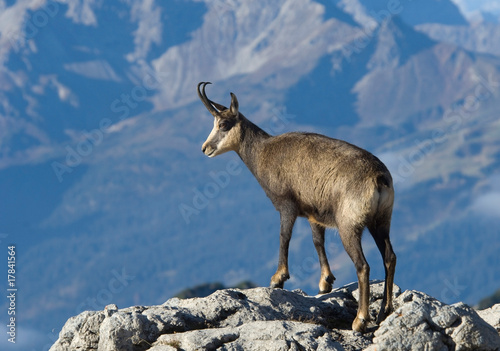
x=224, y=126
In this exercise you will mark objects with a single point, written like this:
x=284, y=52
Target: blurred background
x=108, y=198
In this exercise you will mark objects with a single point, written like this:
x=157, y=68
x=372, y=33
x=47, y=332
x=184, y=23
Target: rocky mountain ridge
x=275, y=319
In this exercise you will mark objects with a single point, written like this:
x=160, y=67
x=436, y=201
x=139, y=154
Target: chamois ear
x=234, y=105
x=219, y=106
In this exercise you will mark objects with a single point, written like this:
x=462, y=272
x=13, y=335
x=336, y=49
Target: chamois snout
x=208, y=149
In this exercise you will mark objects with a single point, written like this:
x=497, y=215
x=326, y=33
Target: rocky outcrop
x=275, y=319
x=424, y=323
x=492, y=316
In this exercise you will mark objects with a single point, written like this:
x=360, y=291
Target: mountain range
x=108, y=198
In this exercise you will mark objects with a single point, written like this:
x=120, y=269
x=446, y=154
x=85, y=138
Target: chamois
x=328, y=181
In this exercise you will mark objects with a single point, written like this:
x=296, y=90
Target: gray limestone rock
x=276, y=319
x=257, y=336
x=491, y=316
x=424, y=323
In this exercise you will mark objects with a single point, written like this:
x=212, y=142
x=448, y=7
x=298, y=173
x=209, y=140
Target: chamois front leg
x=282, y=274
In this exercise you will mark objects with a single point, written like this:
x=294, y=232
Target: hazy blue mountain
x=109, y=199
x=489, y=301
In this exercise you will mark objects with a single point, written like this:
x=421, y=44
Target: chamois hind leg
x=282, y=274
x=327, y=278
x=351, y=239
x=381, y=235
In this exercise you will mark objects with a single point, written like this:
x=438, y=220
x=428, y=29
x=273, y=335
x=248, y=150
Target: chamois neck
x=251, y=140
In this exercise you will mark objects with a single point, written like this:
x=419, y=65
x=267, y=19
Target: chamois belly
x=322, y=216
x=333, y=203
x=317, y=205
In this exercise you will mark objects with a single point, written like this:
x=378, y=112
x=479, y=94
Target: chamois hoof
x=359, y=325
x=279, y=281
x=326, y=284
x=277, y=285
x=325, y=290
x=384, y=312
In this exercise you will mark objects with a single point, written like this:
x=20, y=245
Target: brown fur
x=330, y=182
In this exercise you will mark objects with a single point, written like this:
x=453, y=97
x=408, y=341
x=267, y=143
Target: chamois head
x=225, y=135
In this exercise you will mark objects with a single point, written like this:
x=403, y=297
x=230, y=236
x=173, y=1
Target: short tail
x=386, y=197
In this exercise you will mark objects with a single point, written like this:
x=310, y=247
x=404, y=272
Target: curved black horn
x=205, y=100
